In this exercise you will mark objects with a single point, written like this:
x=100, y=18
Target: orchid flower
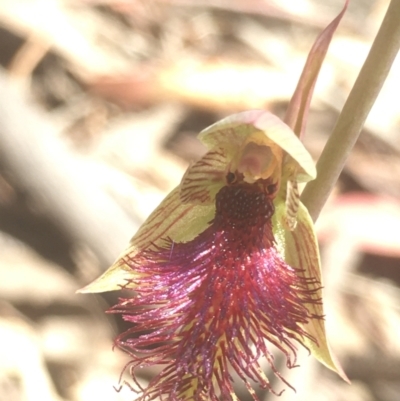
x=226, y=269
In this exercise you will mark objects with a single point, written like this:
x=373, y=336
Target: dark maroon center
x=244, y=210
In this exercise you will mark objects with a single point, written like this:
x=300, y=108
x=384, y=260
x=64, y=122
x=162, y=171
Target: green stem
x=355, y=111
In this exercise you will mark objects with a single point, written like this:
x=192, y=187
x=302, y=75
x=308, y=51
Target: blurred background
x=100, y=104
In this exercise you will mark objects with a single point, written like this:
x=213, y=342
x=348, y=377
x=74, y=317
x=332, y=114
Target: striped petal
x=300, y=250
x=172, y=219
x=205, y=178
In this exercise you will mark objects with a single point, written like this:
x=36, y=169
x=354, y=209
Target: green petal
x=171, y=219
x=292, y=203
x=300, y=250
x=205, y=178
x=233, y=130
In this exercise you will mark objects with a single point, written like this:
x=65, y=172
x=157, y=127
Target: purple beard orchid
x=228, y=263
